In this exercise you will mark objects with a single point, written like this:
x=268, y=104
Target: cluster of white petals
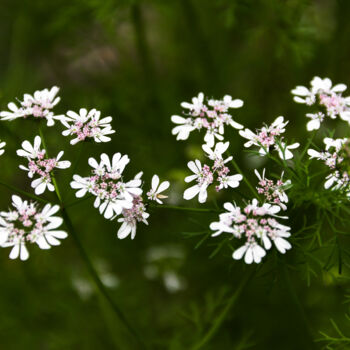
x=329, y=98
x=87, y=125
x=39, y=106
x=40, y=165
x=257, y=225
x=2, y=146
x=27, y=224
x=269, y=138
x=211, y=116
x=206, y=175
x=336, y=157
x=114, y=195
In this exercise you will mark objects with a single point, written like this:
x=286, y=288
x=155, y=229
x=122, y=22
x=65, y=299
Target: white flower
x=204, y=178
x=106, y=183
x=196, y=106
x=252, y=252
x=40, y=166
x=87, y=125
x=284, y=150
x=212, y=117
x=38, y=106
x=131, y=217
x=155, y=192
x=2, y=146
x=26, y=224
x=256, y=224
x=315, y=122
x=217, y=152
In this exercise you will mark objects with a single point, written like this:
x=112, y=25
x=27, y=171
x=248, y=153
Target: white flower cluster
x=114, y=196
x=87, y=125
x=205, y=175
x=269, y=138
x=40, y=166
x=27, y=224
x=211, y=116
x=326, y=96
x=39, y=106
x=336, y=157
x=256, y=224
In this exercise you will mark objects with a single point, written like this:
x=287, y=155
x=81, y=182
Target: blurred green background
x=137, y=61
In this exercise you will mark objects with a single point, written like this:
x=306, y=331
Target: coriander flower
x=106, y=183
x=315, y=122
x=212, y=117
x=273, y=193
x=155, y=192
x=87, y=125
x=270, y=137
x=40, y=166
x=39, y=106
x=336, y=157
x=257, y=225
x=27, y=224
x=205, y=175
x=137, y=213
x=2, y=146
x=328, y=97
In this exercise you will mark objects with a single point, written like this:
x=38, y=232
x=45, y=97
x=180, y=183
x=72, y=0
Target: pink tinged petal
x=163, y=186
x=301, y=91
x=42, y=243
x=191, y=192
x=178, y=120
x=37, y=143
x=339, y=88
x=106, y=161
x=202, y=194
x=52, y=240
x=124, y=231
x=258, y=254
x=24, y=255
x=17, y=201
x=229, y=207
x=238, y=253
x=267, y=242
x=14, y=252
x=109, y=212
x=93, y=163
x=193, y=167
x=190, y=178
x=282, y=245
x=248, y=258
x=155, y=182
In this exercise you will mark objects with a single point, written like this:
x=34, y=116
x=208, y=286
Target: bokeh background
x=137, y=61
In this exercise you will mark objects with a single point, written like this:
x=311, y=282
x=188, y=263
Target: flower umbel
x=257, y=225
x=40, y=166
x=38, y=106
x=27, y=224
x=87, y=125
x=211, y=116
x=270, y=137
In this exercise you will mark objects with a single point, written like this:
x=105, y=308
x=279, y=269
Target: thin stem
x=197, y=210
x=52, y=173
x=98, y=283
x=94, y=275
x=244, y=178
x=18, y=190
x=220, y=319
x=72, y=204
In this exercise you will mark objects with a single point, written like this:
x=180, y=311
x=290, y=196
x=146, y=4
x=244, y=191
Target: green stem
x=94, y=275
x=18, y=190
x=221, y=318
x=252, y=189
x=54, y=182
x=98, y=283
